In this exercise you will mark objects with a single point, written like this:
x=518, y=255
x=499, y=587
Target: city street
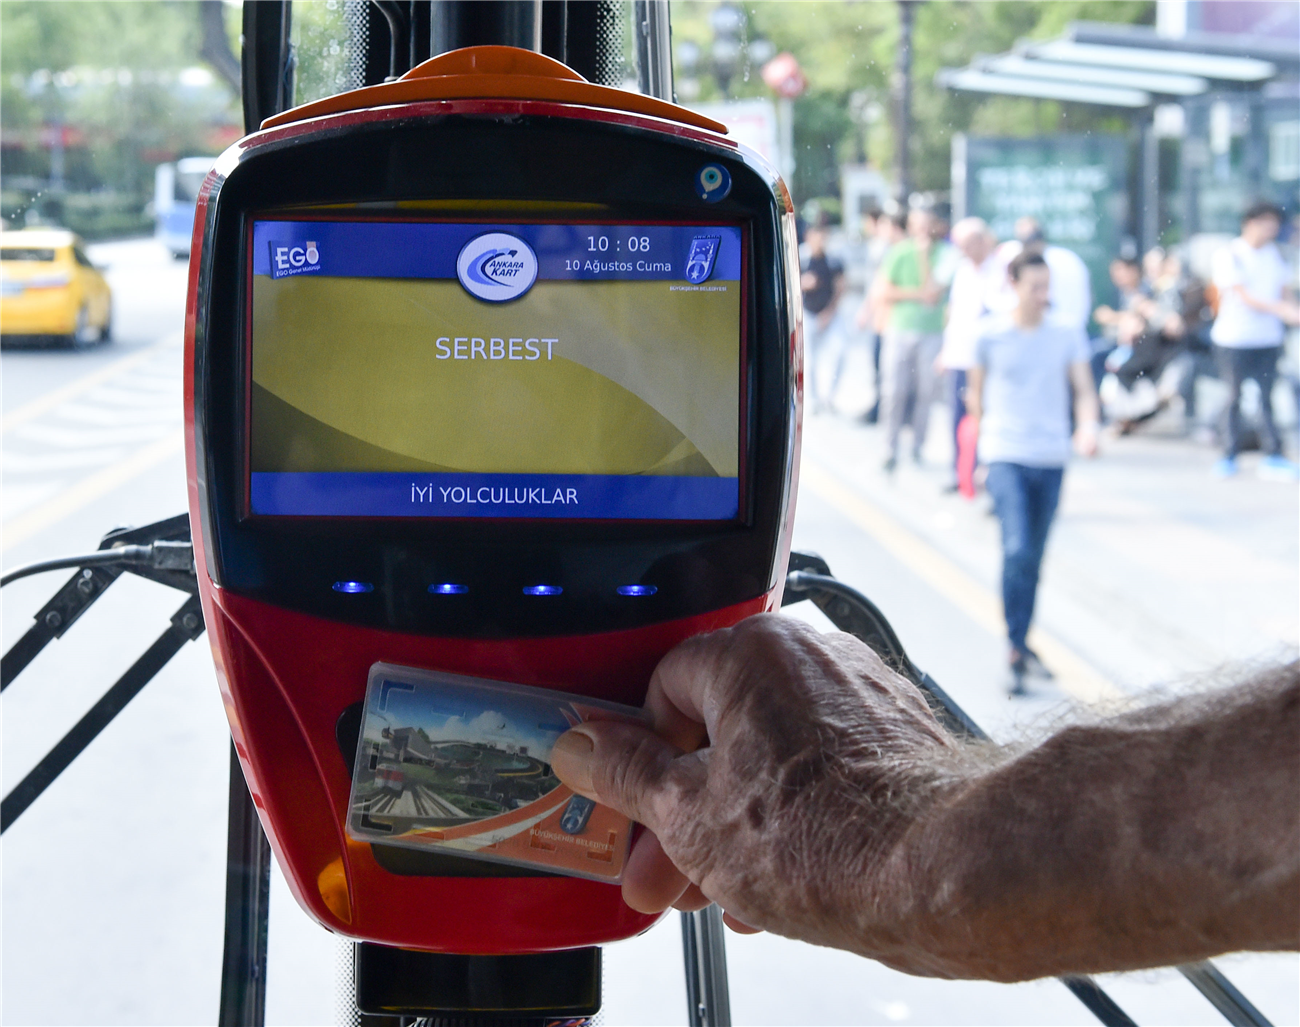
x=1158, y=578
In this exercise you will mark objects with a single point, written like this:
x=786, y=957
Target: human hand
x=1085, y=440
x=931, y=294
x=784, y=776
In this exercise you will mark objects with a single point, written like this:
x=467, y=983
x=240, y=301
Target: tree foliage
x=124, y=84
x=112, y=69
x=848, y=50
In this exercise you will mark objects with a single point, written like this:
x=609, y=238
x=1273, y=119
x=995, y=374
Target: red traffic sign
x=784, y=76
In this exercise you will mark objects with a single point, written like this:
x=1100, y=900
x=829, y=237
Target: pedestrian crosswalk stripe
x=85, y=439
x=54, y=435
x=84, y=384
x=86, y=491
x=42, y=463
x=113, y=416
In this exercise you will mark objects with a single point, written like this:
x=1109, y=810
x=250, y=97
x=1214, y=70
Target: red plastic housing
x=286, y=676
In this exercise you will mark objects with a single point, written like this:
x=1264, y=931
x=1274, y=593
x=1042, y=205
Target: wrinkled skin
x=807, y=733
x=797, y=782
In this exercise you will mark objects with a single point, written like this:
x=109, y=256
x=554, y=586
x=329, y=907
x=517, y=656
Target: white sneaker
x=1277, y=468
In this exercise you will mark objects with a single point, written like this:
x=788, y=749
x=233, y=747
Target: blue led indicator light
x=353, y=587
x=543, y=590
x=637, y=590
x=447, y=588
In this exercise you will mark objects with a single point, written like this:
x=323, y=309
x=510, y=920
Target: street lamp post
x=902, y=90
x=727, y=20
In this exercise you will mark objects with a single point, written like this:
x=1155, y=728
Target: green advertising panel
x=1075, y=185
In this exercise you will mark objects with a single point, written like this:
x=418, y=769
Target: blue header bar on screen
x=369, y=249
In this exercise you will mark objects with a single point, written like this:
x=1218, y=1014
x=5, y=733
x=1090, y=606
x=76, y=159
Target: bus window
x=339, y=45
x=327, y=57
x=176, y=189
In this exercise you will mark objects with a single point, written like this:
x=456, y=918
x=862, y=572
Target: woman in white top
x=1252, y=281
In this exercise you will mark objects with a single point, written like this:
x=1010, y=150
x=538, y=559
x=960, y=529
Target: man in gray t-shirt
x=1019, y=394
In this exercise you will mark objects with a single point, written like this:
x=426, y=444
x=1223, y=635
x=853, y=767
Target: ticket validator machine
x=489, y=371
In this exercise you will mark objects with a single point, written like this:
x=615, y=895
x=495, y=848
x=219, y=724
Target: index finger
x=675, y=700
x=694, y=678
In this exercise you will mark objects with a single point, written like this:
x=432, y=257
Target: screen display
x=417, y=369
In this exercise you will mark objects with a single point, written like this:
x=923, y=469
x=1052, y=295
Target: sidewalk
x=1156, y=572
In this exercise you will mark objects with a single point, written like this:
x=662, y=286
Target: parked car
x=50, y=291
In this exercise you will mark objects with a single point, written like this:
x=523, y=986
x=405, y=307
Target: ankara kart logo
x=497, y=267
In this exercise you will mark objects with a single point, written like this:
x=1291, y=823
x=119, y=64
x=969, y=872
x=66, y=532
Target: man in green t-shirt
x=914, y=334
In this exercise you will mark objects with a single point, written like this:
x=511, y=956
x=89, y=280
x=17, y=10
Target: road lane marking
x=1074, y=675
x=88, y=438
x=59, y=460
x=17, y=498
x=116, y=394
x=84, y=413
x=90, y=488
x=53, y=398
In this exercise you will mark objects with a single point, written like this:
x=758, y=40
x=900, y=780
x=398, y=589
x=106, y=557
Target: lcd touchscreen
x=421, y=369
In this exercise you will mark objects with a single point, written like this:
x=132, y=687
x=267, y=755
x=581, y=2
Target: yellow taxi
x=49, y=289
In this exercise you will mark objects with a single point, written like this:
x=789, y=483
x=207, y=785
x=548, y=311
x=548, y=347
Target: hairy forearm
x=1162, y=837
x=807, y=789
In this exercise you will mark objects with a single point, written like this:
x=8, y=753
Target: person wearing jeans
x=1024, y=498
x=1252, y=281
x=914, y=333
x=1019, y=393
x=1236, y=365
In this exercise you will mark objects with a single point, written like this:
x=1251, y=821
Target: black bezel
x=532, y=217
x=638, y=174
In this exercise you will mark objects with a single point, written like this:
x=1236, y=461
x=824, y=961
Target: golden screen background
x=644, y=378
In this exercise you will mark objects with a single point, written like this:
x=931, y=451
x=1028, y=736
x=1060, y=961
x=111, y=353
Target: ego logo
x=497, y=267
x=294, y=260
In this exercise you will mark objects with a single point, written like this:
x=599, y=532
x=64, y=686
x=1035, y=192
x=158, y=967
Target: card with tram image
x=462, y=765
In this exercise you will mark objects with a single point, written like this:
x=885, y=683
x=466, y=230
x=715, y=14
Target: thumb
x=623, y=766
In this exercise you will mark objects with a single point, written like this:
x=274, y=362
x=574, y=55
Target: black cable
x=857, y=615
x=103, y=558
x=853, y=612
x=162, y=555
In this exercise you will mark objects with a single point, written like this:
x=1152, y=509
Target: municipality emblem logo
x=700, y=260
x=497, y=267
